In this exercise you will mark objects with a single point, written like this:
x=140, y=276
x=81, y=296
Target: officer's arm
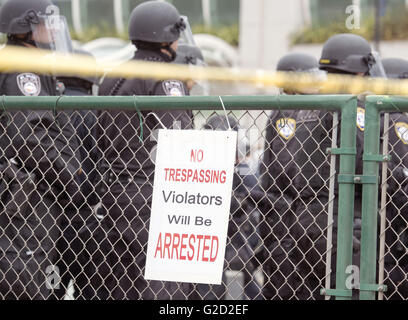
x=268, y=156
x=50, y=146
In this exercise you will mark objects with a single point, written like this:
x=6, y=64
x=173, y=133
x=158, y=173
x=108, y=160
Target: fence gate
x=70, y=225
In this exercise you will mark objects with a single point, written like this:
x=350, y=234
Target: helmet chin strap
x=27, y=39
x=14, y=40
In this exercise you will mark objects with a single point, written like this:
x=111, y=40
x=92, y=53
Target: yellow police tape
x=19, y=59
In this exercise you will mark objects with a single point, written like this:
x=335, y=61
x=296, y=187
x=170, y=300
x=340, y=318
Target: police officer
x=39, y=166
x=342, y=54
x=78, y=246
x=396, y=235
x=281, y=277
x=154, y=29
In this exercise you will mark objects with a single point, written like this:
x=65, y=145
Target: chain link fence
x=393, y=227
x=70, y=229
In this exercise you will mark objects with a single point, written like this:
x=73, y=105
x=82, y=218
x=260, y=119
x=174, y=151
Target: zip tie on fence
x=3, y=105
x=55, y=113
x=225, y=112
x=140, y=119
x=281, y=115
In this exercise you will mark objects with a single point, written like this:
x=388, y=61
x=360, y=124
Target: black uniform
x=39, y=172
x=395, y=260
x=297, y=168
x=243, y=230
x=81, y=229
x=396, y=236
x=129, y=170
x=278, y=216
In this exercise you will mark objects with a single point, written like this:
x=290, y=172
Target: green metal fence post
x=346, y=197
x=369, y=213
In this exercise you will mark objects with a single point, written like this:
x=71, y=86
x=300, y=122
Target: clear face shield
x=51, y=32
x=186, y=36
x=376, y=67
x=359, y=64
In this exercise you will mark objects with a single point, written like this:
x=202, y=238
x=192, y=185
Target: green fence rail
x=332, y=102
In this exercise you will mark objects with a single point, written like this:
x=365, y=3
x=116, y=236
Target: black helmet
x=300, y=62
x=35, y=22
x=349, y=53
x=297, y=62
x=155, y=22
x=16, y=16
x=188, y=54
x=219, y=122
x=396, y=68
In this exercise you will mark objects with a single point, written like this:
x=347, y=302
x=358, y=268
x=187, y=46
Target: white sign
x=191, y=205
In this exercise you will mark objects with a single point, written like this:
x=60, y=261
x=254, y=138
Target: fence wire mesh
x=69, y=227
x=393, y=259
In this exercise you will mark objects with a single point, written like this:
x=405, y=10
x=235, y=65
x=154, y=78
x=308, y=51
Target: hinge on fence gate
x=373, y=287
x=336, y=292
x=357, y=179
x=342, y=151
x=376, y=157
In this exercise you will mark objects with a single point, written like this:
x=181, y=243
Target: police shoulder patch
x=286, y=127
x=173, y=88
x=360, y=118
x=401, y=129
x=29, y=84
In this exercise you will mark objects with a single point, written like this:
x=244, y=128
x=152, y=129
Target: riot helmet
x=36, y=23
x=155, y=25
x=186, y=36
x=297, y=62
x=300, y=63
x=396, y=68
x=350, y=54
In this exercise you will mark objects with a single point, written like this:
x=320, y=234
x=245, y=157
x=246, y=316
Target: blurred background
x=246, y=33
